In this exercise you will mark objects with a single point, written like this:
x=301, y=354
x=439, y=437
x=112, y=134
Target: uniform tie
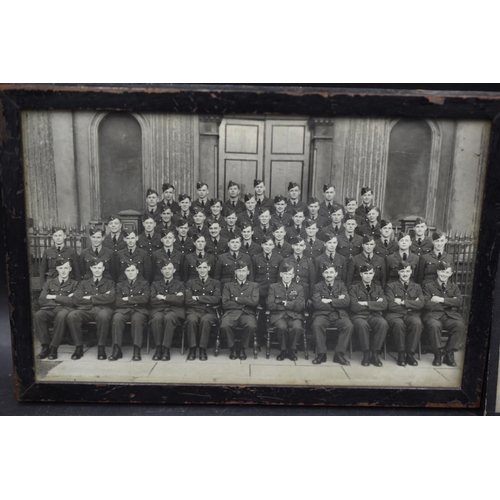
x=294, y=203
x=247, y=246
x=62, y=282
x=297, y=228
x=268, y=257
x=373, y=227
x=443, y=287
x=234, y=203
x=130, y=252
x=58, y=249
x=311, y=242
x=250, y=213
x=386, y=243
x=280, y=215
x=350, y=238
x=151, y=212
x=114, y=240
x=202, y=281
x=419, y=241
x=169, y=252
x=215, y=241
x=368, y=288
x=329, y=206
x=440, y=255
x=330, y=287
x=200, y=255
x=405, y=256
x=96, y=251
x=203, y=204
x=149, y=237
x=331, y=257
x=279, y=246
x=182, y=241
x=96, y=282
x=234, y=255
x=258, y=202
x=130, y=282
x=406, y=286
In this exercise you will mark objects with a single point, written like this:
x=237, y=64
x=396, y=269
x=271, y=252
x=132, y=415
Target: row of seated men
x=365, y=309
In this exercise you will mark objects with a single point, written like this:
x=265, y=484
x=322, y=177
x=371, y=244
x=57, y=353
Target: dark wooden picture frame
x=212, y=100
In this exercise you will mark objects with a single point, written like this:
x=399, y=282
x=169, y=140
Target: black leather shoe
x=320, y=358
x=52, y=353
x=281, y=356
x=401, y=359
x=78, y=352
x=166, y=354
x=375, y=360
x=44, y=353
x=366, y=359
x=438, y=358
x=449, y=358
x=340, y=359
x=101, y=353
x=203, y=355
x=410, y=359
x=242, y=354
x=137, y=354
x=292, y=356
x=158, y=353
x=233, y=353
x=192, y=354
x=116, y=354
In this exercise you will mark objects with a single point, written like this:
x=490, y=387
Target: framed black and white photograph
x=251, y=245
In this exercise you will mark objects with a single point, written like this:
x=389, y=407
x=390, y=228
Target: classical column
x=322, y=166
x=209, y=152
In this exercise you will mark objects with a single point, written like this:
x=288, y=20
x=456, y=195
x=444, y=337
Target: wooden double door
x=276, y=151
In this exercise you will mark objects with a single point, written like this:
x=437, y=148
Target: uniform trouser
x=406, y=332
x=137, y=320
x=204, y=324
x=102, y=316
x=456, y=327
x=163, y=324
x=344, y=325
x=42, y=317
x=247, y=322
x=289, y=331
x=378, y=327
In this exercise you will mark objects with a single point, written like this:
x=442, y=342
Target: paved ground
x=260, y=371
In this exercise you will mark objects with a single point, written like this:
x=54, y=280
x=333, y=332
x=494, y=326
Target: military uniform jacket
x=102, y=295
x=452, y=304
x=359, y=293
x=290, y=207
x=264, y=203
x=87, y=259
x=347, y=248
x=330, y=228
x=226, y=265
x=139, y=257
x=337, y=305
x=244, y=218
x=394, y=259
x=294, y=297
x=195, y=229
x=305, y=273
x=321, y=221
x=339, y=262
x=184, y=247
x=53, y=287
x=205, y=206
x=172, y=301
x=379, y=269
x=116, y=247
x=149, y=245
x=362, y=211
x=266, y=271
x=218, y=248
x=292, y=231
x=284, y=249
x=138, y=296
x=228, y=206
x=175, y=256
x=162, y=225
x=173, y=205
x=48, y=262
x=372, y=230
x=156, y=213
x=383, y=251
x=190, y=262
x=229, y=233
x=427, y=266
x=219, y=218
x=326, y=209
x=314, y=251
x=413, y=298
x=183, y=215
x=209, y=295
x=285, y=219
x=247, y=295
x=425, y=246
x=259, y=233
x=253, y=248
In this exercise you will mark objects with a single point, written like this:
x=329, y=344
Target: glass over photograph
x=251, y=250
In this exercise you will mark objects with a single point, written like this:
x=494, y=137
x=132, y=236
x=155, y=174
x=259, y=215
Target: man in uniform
x=185, y=209
x=330, y=300
x=313, y=213
x=97, y=250
x=372, y=226
x=403, y=254
x=149, y=240
x=190, y=269
x=183, y=242
x=421, y=243
x=166, y=220
x=248, y=245
x=133, y=254
x=216, y=212
x=203, y=200
x=94, y=299
x=280, y=215
x=351, y=207
x=367, y=303
x=263, y=229
x=153, y=208
x=349, y=243
x=216, y=245
x=132, y=298
x=239, y=301
x=114, y=239
x=168, y=200
x=314, y=246
x=199, y=226
x=386, y=244
x=297, y=227
x=404, y=303
x=58, y=251
x=56, y=302
x=367, y=256
x=260, y=197
x=281, y=246
x=336, y=225
x=443, y=302
x=231, y=229
x=326, y=207
x=428, y=263
x=249, y=216
x=203, y=295
x=331, y=257
x=226, y=263
x=366, y=202
x=167, y=309
x=168, y=252
x=233, y=203
x=286, y=305
x=294, y=202
x=266, y=267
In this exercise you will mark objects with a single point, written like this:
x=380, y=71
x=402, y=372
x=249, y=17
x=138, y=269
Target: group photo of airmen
x=332, y=268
